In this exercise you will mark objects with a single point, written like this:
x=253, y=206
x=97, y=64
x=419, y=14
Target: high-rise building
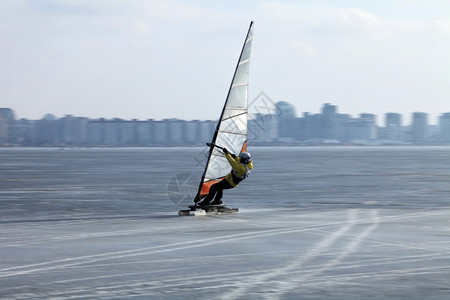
x=207, y=129
x=22, y=133
x=310, y=127
x=73, y=130
x=113, y=132
x=7, y=114
x=96, y=132
x=262, y=129
x=286, y=121
x=393, y=130
x=4, y=136
x=192, y=132
x=161, y=133
x=393, y=119
x=329, y=122
x=6, y=122
x=444, y=124
x=47, y=130
x=419, y=127
x=369, y=125
x=3, y=130
x=144, y=133
x=343, y=133
x=176, y=131
x=362, y=129
x=129, y=128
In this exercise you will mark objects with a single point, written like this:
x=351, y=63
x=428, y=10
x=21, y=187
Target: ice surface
x=97, y=224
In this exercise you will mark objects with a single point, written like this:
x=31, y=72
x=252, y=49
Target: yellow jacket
x=239, y=169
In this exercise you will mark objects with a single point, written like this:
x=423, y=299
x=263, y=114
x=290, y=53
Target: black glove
x=233, y=156
x=225, y=151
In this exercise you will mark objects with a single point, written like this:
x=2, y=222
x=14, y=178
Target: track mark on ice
x=314, y=252
x=293, y=282
x=69, y=262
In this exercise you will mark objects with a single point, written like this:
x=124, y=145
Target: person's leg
x=223, y=185
x=211, y=194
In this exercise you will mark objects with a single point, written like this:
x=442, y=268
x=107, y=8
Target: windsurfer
x=241, y=167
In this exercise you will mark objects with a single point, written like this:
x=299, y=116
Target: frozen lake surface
x=314, y=223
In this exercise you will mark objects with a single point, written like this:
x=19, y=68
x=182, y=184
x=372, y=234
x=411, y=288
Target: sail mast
x=236, y=107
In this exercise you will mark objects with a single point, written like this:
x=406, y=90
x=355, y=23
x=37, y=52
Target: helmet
x=245, y=157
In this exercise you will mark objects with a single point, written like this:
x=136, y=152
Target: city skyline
x=380, y=118
x=277, y=125
x=175, y=58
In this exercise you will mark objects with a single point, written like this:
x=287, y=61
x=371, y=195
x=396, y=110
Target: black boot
x=203, y=203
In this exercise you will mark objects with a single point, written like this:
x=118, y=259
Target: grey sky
x=161, y=59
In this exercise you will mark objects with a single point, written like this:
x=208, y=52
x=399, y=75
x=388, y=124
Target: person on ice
x=241, y=167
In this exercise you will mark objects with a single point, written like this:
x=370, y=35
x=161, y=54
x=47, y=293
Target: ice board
x=208, y=210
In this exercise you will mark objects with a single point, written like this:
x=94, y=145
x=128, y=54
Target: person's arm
x=235, y=164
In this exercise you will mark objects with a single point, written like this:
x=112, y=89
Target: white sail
x=231, y=131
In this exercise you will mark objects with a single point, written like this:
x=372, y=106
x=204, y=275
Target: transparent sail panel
x=241, y=77
x=238, y=96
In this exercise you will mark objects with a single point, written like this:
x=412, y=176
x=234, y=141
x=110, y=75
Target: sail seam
x=231, y=117
x=230, y=132
x=240, y=84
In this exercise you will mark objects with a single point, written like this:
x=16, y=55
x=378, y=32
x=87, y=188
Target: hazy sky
x=175, y=58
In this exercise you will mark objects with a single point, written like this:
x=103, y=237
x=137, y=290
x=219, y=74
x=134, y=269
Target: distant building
x=419, y=127
x=3, y=131
x=369, y=122
x=393, y=119
x=263, y=128
x=329, y=122
x=444, y=124
x=280, y=125
x=74, y=130
x=112, y=132
x=343, y=134
x=161, y=133
x=47, y=131
x=176, y=131
x=144, y=132
x=393, y=131
x=287, y=129
x=96, y=132
x=362, y=129
x=7, y=114
x=6, y=122
x=309, y=127
x=22, y=133
x=207, y=129
x=128, y=132
x=192, y=132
